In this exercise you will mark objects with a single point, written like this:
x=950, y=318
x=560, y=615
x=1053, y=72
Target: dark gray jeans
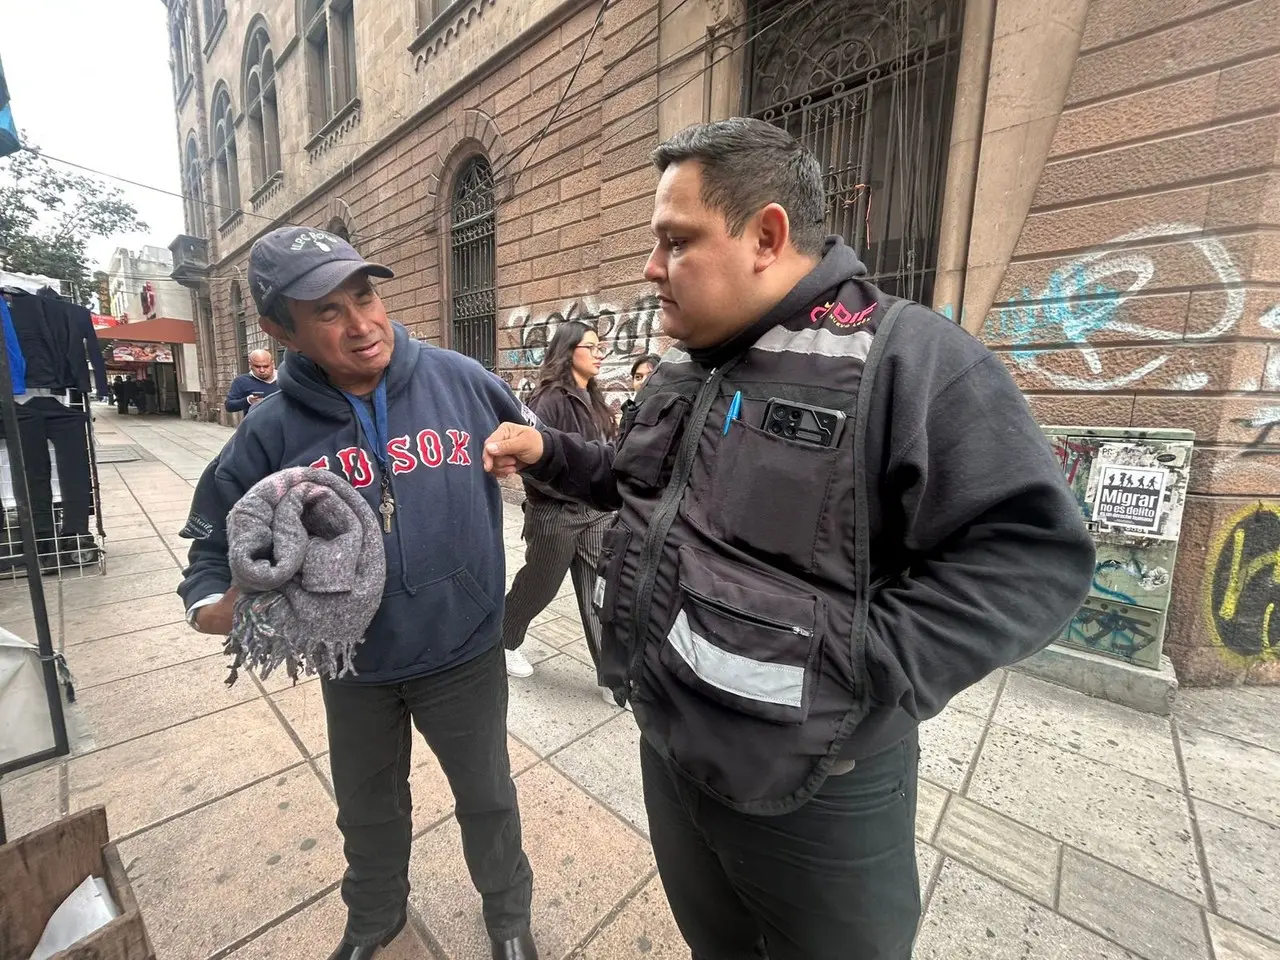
x=462, y=714
x=836, y=878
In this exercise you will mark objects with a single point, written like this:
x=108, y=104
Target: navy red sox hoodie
x=442, y=603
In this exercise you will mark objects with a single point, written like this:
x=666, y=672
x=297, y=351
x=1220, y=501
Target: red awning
x=159, y=330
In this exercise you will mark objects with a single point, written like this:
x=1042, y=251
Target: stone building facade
x=1090, y=186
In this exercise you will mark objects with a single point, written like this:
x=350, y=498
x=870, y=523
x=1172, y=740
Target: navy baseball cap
x=303, y=263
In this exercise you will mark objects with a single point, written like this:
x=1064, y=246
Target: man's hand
x=254, y=398
x=216, y=617
x=512, y=447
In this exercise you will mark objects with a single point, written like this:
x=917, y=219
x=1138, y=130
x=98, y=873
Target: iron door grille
x=472, y=268
x=868, y=86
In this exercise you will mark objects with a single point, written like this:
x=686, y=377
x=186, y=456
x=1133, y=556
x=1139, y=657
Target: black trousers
x=835, y=879
x=462, y=714
x=41, y=421
x=559, y=538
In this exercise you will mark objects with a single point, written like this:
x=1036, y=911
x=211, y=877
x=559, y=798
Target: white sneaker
x=517, y=664
x=607, y=696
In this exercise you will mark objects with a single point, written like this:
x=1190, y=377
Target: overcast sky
x=89, y=82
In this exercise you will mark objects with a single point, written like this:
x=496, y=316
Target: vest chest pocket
x=646, y=453
x=771, y=496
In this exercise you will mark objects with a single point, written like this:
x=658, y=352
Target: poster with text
x=1130, y=496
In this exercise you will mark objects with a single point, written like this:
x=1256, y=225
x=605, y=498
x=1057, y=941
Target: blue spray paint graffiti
x=1068, y=306
x=1088, y=295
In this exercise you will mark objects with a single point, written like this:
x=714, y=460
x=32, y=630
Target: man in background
x=124, y=394
x=250, y=389
x=150, y=395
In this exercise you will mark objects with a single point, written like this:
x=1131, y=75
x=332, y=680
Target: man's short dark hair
x=748, y=164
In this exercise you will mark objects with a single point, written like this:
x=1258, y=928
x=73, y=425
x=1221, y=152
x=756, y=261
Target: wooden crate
x=40, y=870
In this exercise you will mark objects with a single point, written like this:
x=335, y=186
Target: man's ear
x=773, y=233
x=275, y=331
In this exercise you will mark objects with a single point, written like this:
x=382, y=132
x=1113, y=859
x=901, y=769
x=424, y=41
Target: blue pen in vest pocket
x=735, y=406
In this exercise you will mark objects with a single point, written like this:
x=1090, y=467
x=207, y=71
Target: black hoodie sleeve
x=577, y=468
x=998, y=555
x=570, y=466
x=242, y=463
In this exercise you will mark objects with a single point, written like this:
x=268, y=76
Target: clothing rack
x=35, y=582
x=55, y=555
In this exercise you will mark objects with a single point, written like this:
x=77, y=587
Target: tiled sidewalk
x=1051, y=825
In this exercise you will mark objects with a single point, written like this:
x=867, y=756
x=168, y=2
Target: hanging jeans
x=41, y=421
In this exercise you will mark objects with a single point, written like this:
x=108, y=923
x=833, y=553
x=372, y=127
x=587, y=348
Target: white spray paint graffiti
x=1191, y=381
x=1080, y=300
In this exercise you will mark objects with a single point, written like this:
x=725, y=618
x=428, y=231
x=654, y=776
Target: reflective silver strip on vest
x=675, y=355
x=778, y=683
x=824, y=343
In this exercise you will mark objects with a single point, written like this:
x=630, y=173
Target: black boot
x=518, y=948
x=351, y=951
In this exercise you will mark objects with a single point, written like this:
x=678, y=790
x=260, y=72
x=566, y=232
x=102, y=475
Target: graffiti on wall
x=1264, y=421
x=1125, y=574
x=1087, y=296
x=626, y=332
x=1242, y=591
x=1110, y=628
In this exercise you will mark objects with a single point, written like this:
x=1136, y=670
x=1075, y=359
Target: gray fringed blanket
x=306, y=552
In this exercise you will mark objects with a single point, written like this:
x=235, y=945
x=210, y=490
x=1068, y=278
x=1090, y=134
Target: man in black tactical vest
x=835, y=512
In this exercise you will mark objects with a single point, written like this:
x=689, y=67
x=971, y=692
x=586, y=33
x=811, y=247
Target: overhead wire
x=565, y=121
x=604, y=5
x=603, y=140
x=212, y=205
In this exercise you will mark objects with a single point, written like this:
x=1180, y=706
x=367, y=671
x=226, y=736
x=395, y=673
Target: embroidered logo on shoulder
x=197, y=528
x=839, y=314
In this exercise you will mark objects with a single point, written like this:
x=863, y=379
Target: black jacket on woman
x=565, y=409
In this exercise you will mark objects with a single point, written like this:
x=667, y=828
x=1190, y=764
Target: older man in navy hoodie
x=403, y=422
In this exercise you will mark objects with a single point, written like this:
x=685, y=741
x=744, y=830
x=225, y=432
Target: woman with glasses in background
x=561, y=536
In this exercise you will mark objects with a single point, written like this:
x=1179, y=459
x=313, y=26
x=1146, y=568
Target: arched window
x=330, y=29
x=226, y=170
x=239, y=321
x=193, y=189
x=260, y=106
x=339, y=229
x=180, y=48
x=869, y=88
x=471, y=267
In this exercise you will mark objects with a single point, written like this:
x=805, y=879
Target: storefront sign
x=141, y=353
x=1130, y=496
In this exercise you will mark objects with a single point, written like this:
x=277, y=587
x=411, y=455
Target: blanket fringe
x=254, y=643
